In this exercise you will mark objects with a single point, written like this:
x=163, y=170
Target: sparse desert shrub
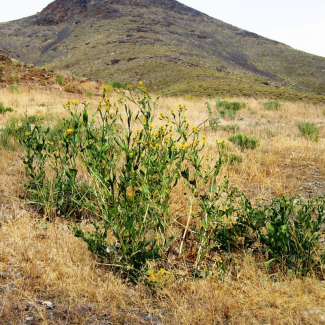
x=118, y=85
x=13, y=88
x=131, y=175
x=293, y=233
x=60, y=80
x=230, y=106
x=234, y=159
x=5, y=109
x=214, y=121
x=309, y=130
x=11, y=133
x=228, y=110
x=271, y=105
x=244, y=141
x=119, y=169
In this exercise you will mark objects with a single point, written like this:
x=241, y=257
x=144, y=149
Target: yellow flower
x=131, y=154
x=150, y=126
x=152, y=278
x=27, y=133
x=140, y=83
x=223, y=158
x=105, y=87
x=167, y=276
x=77, y=102
x=151, y=272
x=16, y=128
x=142, y=155
x=129, y=193
x=55, y=153
x=26, y=160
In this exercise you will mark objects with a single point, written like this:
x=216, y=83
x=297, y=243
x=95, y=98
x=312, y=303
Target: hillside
x=176, y=50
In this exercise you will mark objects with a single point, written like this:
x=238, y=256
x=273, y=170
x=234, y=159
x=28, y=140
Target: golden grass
x=42, y=261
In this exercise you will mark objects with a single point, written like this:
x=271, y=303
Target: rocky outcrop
x=64, y=10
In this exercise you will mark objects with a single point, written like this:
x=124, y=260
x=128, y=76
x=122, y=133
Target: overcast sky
x=298, y=23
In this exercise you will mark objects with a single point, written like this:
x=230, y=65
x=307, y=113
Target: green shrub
x=309, y=131
x=234, y=159
x=13, y=88
x=130, y=175
x=214, y=121
x=244, y=141
x=271, y=105
x=118, y=85
x=11, y=133
x=89, y=94
x=226, y=109
x=293, y=234
x=60, y=80
x=118, y=169
x=233, y=106
x=5, y=109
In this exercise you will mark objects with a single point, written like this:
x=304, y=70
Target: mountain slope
x=174, y=48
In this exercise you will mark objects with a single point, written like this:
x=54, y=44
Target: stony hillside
x=173, y=48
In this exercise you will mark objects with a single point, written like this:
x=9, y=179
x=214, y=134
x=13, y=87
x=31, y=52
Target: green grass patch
x=60, y=80
x=244, y=142
x=309, y=130
x=271, y=105
x=5, y=109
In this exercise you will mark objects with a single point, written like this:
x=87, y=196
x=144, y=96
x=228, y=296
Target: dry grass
x=42, y=261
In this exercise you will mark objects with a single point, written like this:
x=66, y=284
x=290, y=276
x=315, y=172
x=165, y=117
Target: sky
x=297, y=23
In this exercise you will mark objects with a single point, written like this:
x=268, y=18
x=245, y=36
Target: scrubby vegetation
x=153, y=192
x=244, y=142
x=119, y=170
x=309, y=131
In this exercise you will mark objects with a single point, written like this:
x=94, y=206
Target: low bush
x=13, y=88
x=244, y=141
x=118, y=85
x=271, y=105
x=60, y=80
x=309, y=130
x=5, y=109
x=114, y=172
